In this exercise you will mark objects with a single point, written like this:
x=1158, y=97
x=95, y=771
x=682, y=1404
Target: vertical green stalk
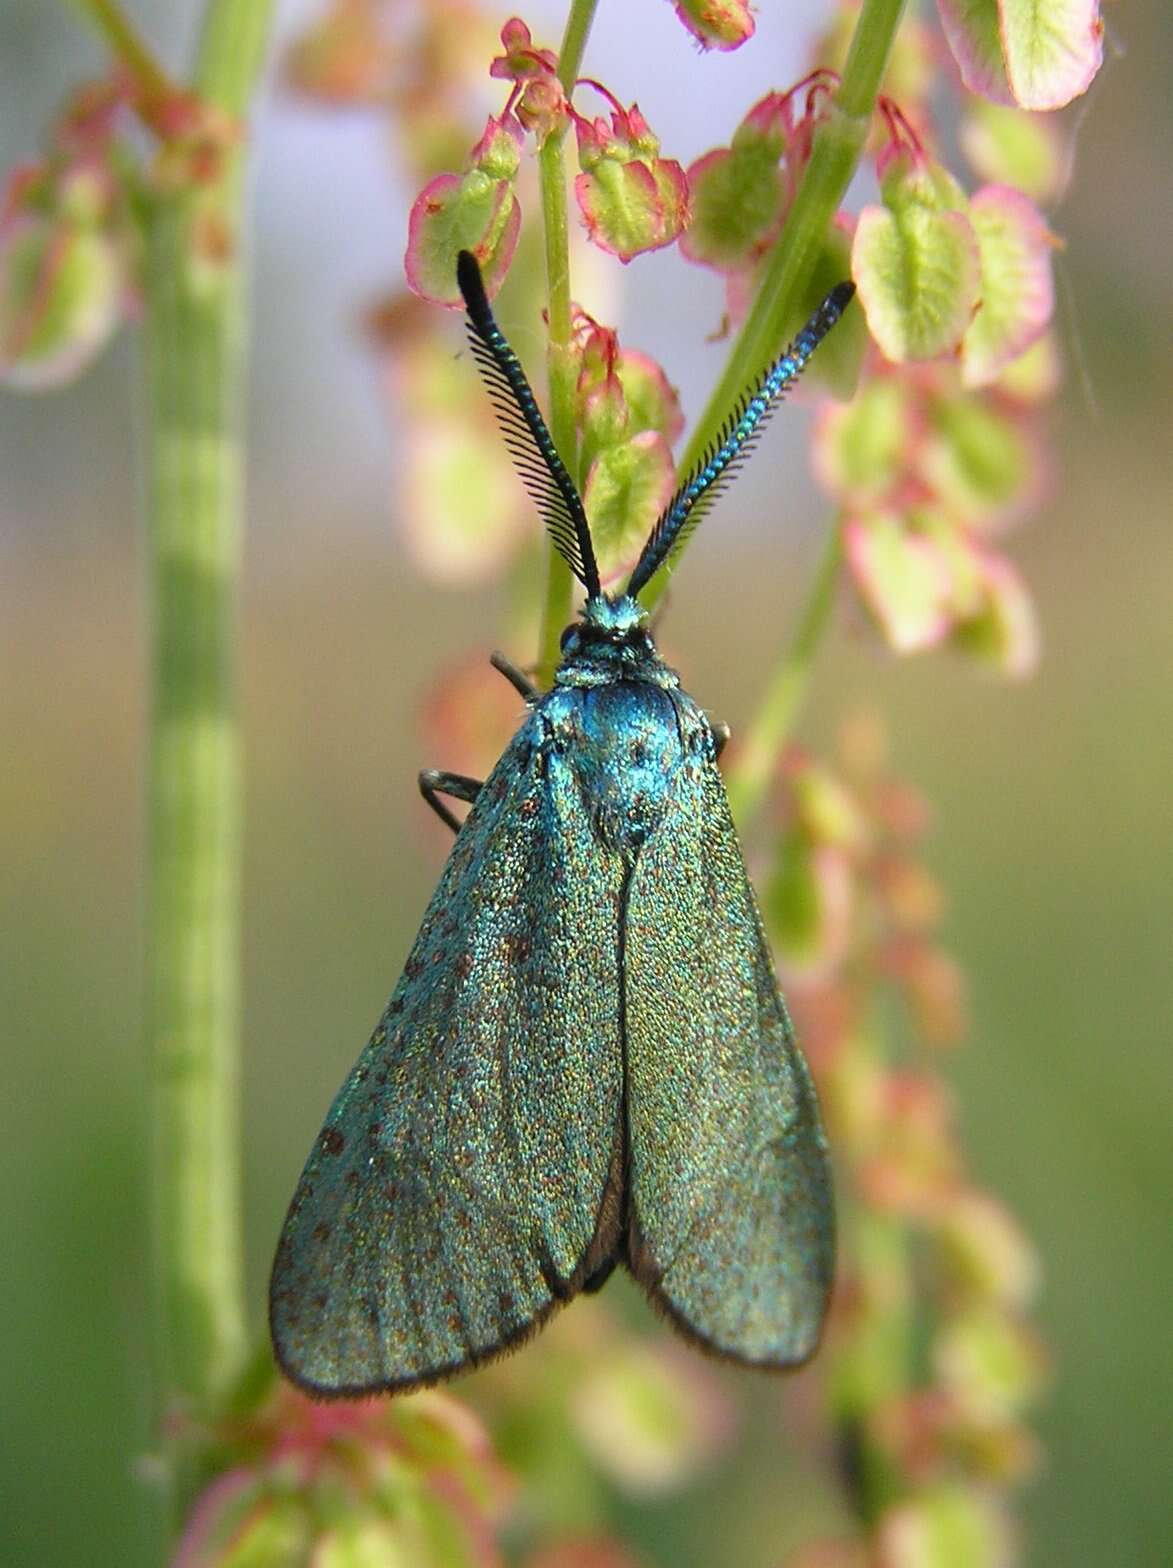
x=552, y=175
x=770, y=728
x=195, y=364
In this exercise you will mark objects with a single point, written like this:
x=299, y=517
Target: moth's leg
x=720, y=732
x=434, y=782
x=518, y=679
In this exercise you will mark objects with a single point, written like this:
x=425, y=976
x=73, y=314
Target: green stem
x=556, y=604
x=560, y=371
x=768, y=731
x=578, y=26
x=195, y=365
x=835, y=155
x=129, y=48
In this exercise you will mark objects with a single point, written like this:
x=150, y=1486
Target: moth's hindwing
x=733, y=1216
x=453, y=1194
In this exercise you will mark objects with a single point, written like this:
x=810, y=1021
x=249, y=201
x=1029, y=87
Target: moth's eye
x=567, y=635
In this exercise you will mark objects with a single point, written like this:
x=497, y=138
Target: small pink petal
x=457, y=212
x=971, y=29
x=211, y=1512
x=653, y=401
x=462, y=508
x=1017, y=291
x=903, y=578
x=1052, y=49
x=717, y=24
x=622, y=208
x=1007, y=632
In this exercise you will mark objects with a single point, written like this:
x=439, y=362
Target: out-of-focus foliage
x=931, y=1361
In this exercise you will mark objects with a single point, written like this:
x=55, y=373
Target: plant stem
x=578, y=26
x=838, y=144
x=560, y=371
x=552, y=175
x=768, y=731
x=195, y=365
x=155, y=87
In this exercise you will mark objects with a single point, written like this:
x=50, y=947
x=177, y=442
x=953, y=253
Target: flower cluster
x=928, y=475
x=631, y=199
x=742, y=193
x=626, y=414
x=71, y=233
x=942, y=450
x=66, y=248
x=421, y=1479
x=931, y=1360
x=407, y=1480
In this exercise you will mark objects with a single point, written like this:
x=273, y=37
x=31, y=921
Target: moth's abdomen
x=625, y=756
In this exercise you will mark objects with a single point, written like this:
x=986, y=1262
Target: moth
x=586, y=1061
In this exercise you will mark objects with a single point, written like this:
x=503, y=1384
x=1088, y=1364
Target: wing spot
x=321, y=1231
x=332, y=1141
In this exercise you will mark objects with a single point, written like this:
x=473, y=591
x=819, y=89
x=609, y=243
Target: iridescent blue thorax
x=619, y=726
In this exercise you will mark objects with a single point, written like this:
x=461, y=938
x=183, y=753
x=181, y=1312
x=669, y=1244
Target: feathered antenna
x=529, y=441
x=734, y=441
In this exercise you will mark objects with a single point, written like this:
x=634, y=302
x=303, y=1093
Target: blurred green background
x=1054, y=800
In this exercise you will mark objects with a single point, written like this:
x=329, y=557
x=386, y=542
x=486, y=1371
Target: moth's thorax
x=610, y=642
x=620, y=745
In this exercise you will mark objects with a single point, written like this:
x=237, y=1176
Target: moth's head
x=609, y=631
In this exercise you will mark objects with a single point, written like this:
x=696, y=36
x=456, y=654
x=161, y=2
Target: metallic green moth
x=586, y=1061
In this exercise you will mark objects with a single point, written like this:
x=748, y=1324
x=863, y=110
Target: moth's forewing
x=733, y=1217
x=452, y=1196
